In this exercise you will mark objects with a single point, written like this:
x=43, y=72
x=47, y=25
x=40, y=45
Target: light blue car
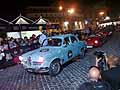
x=50, y=58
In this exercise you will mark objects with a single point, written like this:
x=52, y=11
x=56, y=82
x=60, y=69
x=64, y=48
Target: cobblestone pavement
x=72, y=75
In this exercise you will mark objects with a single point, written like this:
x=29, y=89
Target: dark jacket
x=113, y=77
x=99, y=85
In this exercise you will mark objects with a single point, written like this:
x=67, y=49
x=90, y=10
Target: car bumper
x=35, y=68
x=40, y=70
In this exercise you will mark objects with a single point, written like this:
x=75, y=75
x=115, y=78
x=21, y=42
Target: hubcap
x=56, y=67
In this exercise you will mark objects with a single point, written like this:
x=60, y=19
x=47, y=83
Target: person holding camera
x=101, y=60
x=110, y=68
x=113, y=74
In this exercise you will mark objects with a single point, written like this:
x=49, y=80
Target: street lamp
x=71, y=11
x=101, y=13
x=60, y=8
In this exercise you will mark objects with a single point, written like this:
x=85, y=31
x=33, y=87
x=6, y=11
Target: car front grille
x=29, y=60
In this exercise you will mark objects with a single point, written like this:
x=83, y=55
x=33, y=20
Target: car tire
x=83, y=52
x=54, y=68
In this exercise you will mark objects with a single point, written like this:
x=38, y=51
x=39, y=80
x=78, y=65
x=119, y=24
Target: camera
x=99, y=54
x=102, y=64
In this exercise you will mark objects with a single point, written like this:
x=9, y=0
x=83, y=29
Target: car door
x=67, y=49
x=74, y=45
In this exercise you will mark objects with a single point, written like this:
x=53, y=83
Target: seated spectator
x=17, y=47
x=24, y=43
x=34, y=41
x=12, y=46
x=31, y=45
x=113, y=74
x=2, y=55
x=6, y=50
x=95, y=82
x=5, y=45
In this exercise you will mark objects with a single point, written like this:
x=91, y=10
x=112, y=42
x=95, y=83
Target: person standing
x=43, y=39
x=2, y=56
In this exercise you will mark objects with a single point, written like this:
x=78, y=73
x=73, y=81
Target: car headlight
x=41, y=60
x=96, y=41
x=20, y=58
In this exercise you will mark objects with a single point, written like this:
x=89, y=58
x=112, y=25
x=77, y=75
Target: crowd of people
x=10, y=47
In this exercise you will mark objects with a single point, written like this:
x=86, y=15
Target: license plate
x=89, y=46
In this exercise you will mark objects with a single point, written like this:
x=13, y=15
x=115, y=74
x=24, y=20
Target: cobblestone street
x=72, y=75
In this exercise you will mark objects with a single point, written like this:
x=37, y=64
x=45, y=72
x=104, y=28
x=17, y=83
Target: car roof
x=61, y=36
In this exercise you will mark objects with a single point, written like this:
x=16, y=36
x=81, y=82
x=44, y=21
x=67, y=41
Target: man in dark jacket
x=95, y=83
x=113, y=74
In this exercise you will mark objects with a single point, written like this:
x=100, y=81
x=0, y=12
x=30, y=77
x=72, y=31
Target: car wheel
x=82, y=53
x=54, y=68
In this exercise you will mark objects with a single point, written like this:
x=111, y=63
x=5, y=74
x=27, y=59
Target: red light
x=96, y=41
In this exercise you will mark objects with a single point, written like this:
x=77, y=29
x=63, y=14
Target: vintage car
x=50, y=58
x=95, y=40
x=106, y=33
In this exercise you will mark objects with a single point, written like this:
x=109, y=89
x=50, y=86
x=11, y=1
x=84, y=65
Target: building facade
x=53, y=15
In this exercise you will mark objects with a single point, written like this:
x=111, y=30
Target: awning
x=22, y=20
x=41, y=21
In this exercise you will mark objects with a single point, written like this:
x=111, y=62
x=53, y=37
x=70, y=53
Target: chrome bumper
x=40, y=70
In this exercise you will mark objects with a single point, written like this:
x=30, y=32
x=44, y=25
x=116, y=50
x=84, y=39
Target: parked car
x=95, y=40
x=106, y=33
x=50, y=58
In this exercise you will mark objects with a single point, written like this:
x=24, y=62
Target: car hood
x=92, y=38
x=41, y=52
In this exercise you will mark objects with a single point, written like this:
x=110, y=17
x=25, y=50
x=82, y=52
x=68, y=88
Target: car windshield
x=54, y=42
x=92, y=35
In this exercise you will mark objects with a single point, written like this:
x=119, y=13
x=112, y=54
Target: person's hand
x=97, y=60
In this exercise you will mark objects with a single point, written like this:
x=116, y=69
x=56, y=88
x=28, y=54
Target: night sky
x=12, y=8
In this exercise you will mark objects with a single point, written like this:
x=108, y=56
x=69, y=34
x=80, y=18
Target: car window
x=54, y=42
x=73, y=39
x=66, y=41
